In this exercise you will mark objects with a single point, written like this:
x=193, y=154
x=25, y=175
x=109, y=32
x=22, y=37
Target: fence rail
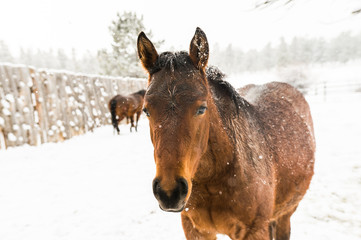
x=39, y=106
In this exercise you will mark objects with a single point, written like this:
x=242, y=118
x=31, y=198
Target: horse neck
x=227, y=145
x=219, y=151
x=137, y=96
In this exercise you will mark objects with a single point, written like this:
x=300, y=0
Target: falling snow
x=98, y=186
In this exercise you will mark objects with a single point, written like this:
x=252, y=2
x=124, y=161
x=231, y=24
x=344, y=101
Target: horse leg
x=258, y=232
x=118, y=131
x=136, y=124
x=283, y=227
x=272, y=230
x=193, y=233
x=120, y=118
x=132, y=122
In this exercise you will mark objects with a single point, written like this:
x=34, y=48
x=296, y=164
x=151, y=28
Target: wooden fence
x=39, y=106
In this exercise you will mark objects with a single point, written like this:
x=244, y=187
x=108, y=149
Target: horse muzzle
x=172, y=200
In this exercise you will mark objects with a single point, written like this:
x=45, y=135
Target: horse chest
x=221, y=212
x=221, y=220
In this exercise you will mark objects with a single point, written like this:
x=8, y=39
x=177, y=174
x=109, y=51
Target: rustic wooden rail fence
x=39, y=106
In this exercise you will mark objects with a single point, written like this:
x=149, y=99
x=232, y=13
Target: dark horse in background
x=127, y=106
x=231, y=164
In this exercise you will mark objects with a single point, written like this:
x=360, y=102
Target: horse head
x=176, y=103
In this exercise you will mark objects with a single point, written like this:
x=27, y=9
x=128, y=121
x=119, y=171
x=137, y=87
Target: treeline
x=119, y=60
x=52, y=59
x=300, y=51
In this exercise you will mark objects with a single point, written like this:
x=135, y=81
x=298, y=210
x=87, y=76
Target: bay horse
x=231, y=164
x=127, y=106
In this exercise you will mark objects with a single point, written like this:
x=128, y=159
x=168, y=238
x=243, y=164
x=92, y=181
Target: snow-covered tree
x=5, y=54
x=267, y=56
x=123, y=59
x=88, y=63
x=282, y=53
x=62, y=58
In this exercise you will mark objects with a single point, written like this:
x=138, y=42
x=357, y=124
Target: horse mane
x=223, y=90
x=140, y=92
x=231, y=105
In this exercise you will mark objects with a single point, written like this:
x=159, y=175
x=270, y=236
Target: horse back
x=282, y=98
x=121, y=102
x=285, y=119
x=137, y=102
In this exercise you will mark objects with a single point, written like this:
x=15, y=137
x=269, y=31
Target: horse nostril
x=183, y=186
x=156, y=186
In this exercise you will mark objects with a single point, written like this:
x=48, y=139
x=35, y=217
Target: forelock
x=172, y=62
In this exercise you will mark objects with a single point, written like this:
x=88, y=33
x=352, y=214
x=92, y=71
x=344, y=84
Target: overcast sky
x=84, y=24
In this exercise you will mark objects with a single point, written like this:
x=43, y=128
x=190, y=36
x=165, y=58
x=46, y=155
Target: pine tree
x=282, y=53
x=267, y=57
x=26, y=56
x=123, y=60
x=62, y=58
x=5, y=55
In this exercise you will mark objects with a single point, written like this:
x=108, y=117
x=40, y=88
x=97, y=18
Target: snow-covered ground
x=98, y=186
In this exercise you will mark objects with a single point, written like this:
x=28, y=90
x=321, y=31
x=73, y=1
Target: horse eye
x=201, y=110
x=146, y=112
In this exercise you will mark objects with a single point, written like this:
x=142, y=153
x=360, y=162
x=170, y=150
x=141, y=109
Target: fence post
x=90, y=121
x=36, y=107
x=31, y=131
x=8, y=109
x=3, y=110
x=39, y=81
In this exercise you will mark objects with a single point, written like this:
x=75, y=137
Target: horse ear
x=146, y=52
x=199, y=50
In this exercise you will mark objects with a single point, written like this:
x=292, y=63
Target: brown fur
x=238, y=168
x=127, y=106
